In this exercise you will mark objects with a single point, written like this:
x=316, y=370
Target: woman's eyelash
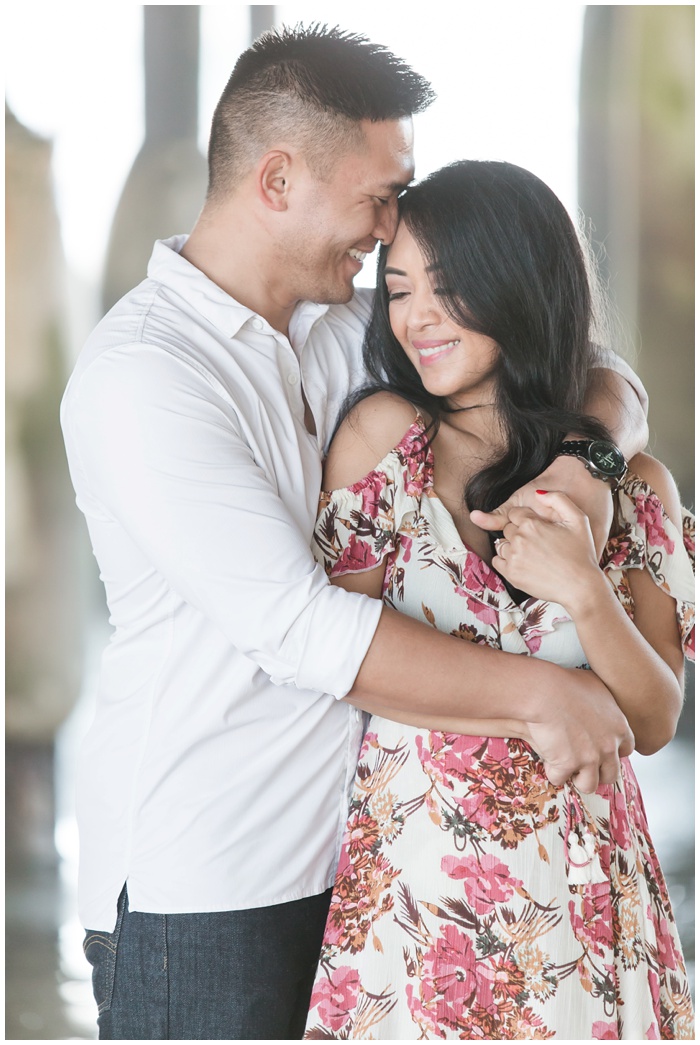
x=394, y=295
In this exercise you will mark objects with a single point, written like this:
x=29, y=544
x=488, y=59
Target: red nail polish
x=541, y=491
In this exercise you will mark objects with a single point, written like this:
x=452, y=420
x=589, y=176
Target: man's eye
x=381, y=199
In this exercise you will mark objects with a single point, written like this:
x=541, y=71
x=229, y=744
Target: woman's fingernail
x=540, y=491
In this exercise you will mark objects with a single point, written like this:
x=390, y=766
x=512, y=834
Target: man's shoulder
x=150, y=317
x=137, y=348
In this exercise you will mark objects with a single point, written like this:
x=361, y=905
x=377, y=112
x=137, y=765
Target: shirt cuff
x=339, y=630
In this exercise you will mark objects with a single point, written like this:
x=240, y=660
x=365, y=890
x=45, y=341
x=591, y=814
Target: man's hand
x=582, y=734
x=611, y=399
x=568, y=475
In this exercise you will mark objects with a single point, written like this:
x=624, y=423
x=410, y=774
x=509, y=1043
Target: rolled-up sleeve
x=159, y=449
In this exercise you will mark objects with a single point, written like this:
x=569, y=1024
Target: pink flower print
x=593, y=926
x=480, y=807
x=357, y=556
x=689, y=534
x=449, y=755
x=602, y=1030
x=486, y=881
x=370, y=740
x=619, y=820
x=460, y=751
x=372, y=490
x=654, y=987
x=414, y=487
x=689, y=645
x=430, y=761
x=648, y=511
x=504, y=979
x=664, y=944
x=406, y=546
x=362, y=834
x=652, y=1033
x=618, y=550
x=423, y=1016
x=477, y=575
x=336, y=997
x=450, y=967
x=413, y=472
x=487, y=614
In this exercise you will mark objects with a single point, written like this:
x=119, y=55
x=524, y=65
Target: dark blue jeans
x=229, y=975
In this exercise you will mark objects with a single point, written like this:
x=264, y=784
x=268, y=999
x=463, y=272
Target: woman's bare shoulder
x=659, y=478
x=370, y=431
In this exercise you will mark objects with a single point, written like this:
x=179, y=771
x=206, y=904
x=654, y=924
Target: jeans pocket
x=100, y=949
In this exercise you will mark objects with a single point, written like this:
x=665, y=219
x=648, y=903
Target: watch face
x=606, y=458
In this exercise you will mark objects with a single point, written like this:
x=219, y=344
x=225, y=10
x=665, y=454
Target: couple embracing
x=259, y=858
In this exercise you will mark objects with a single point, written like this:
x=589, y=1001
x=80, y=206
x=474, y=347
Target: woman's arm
x=553, y=556
x=416, y=674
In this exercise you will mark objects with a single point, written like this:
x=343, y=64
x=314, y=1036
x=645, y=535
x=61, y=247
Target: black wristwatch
x=602, y=459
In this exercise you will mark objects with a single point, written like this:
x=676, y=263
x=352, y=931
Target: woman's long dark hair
x=509, y=263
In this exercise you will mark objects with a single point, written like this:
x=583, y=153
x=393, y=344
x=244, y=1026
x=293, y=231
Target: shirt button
x=257, y=324
x=292, y=379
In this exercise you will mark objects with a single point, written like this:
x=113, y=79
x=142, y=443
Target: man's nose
x=387, y=222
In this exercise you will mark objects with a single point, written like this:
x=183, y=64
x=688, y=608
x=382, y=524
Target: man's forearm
x=611, y=399
x=568, y=716
x=415, y=668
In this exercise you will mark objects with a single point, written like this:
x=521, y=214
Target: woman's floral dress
x=474, y=899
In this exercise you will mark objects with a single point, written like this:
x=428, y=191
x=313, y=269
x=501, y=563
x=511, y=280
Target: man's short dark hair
x=311, y=86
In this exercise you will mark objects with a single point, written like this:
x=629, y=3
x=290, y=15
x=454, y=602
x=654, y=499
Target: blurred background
x=107, y=115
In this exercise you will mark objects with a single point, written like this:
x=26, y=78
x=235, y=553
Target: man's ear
x=273, y=178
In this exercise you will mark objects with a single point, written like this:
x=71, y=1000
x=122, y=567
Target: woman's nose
x=423, y=311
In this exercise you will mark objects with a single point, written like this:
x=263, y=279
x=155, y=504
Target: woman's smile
x=432, y=351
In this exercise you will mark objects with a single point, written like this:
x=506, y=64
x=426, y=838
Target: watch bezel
x=620, y=466
x=581, y=448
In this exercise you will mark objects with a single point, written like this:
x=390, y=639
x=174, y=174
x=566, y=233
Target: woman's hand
x=549, y=553
x=568, y=475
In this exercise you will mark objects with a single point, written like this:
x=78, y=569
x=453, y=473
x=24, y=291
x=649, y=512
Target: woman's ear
x=273, y=176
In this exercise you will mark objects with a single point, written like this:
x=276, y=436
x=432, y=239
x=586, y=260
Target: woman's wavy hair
x=509, y=263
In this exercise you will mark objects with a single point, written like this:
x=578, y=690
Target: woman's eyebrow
x=393, y=272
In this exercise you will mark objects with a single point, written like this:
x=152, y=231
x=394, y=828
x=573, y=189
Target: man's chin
x=337, y=295
x=328, y=294
x=344, y=295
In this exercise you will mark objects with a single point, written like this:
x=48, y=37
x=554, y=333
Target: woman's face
x=451, y=361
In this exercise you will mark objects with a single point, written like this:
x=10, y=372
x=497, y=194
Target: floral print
x=473, y=899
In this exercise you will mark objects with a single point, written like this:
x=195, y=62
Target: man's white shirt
x=216, y=773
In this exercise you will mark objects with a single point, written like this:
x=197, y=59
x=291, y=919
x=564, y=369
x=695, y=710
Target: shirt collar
x=167, y=266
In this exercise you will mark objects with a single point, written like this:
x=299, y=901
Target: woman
x=474, y=899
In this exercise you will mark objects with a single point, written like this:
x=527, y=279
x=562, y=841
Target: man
x=212, y=789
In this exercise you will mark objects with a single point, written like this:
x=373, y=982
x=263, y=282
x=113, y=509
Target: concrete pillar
x=165, y=188
x=637, y=183
x=44, y=582
x=262, y=18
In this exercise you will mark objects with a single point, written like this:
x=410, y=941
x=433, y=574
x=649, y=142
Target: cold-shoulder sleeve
x=648, y=539
x=358, y=525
